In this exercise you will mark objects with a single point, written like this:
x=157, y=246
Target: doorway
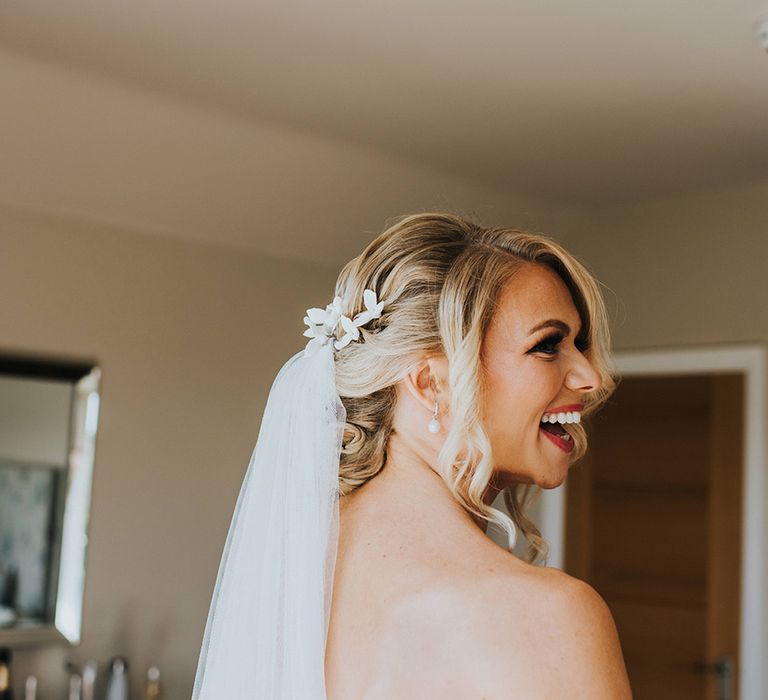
x=652, y=515
x=665, y=517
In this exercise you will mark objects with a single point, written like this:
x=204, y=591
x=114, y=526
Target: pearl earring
x=434, y=426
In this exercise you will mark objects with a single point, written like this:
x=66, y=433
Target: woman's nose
x=583, y=376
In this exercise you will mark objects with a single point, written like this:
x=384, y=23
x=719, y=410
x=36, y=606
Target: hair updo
x=441, y=276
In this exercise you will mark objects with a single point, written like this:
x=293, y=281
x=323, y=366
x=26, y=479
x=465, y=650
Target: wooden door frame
x=749, y=360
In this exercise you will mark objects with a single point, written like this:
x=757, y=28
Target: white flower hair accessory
x=323, y=322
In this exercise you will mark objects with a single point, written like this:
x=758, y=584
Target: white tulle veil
x=267, y=624
x=268, y=620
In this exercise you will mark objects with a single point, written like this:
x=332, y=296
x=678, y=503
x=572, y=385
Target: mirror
x=48, y=419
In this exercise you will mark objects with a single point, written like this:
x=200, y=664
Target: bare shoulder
x=511, y=630
x=559, y=640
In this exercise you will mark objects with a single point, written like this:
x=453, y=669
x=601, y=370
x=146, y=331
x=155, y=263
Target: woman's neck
x=408, y=483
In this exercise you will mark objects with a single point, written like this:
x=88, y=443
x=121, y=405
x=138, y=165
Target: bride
x=454, y=363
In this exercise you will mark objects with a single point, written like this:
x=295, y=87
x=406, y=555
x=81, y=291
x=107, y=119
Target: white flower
x=373, y=309
x=319, y=338
x=333, y=313
x=351, y=333
x=328, y=317
x=323, y=322
x=316, y=316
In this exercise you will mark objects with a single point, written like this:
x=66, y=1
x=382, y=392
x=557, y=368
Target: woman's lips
x=570, y=407
x=564, y=445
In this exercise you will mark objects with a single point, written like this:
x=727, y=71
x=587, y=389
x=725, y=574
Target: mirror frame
x=69, y=543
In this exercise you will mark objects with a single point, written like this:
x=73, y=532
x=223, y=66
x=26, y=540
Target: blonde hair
x=441, y=276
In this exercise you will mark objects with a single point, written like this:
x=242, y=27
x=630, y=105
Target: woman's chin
x=545, y=480
x=550, y=480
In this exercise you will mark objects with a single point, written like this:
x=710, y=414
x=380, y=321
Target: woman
x=462, y=359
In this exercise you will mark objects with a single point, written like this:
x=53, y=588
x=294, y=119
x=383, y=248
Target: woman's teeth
x=567, y=417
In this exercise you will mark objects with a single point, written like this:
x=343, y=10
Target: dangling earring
x=434, y=426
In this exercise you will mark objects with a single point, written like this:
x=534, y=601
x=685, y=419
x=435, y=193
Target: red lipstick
x=564, y=445
x=569, y=407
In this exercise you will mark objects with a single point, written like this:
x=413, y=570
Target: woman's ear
x=428, y=383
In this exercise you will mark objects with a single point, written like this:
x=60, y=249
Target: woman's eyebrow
x=551, y=323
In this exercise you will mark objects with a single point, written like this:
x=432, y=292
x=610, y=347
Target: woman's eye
x=549, y=345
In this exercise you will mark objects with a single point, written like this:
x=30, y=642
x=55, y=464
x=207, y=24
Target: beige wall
x=684, y=271
x=188, y=338
x=145, y=161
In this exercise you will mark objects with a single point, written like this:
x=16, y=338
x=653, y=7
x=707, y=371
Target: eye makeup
x=553, y=340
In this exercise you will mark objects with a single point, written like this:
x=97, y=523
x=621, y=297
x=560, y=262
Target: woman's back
x=398, y=576
x=426, y=605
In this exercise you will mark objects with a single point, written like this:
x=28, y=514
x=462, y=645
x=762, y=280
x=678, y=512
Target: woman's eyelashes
x=548, y=346
x=551, y=342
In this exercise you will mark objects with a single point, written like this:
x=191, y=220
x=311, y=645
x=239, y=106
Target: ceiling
x=582, y=102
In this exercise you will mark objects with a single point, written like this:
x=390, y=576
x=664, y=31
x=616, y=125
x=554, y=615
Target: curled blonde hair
x=441, y=277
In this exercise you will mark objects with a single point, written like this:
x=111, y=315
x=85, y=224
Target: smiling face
x=529, y=371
